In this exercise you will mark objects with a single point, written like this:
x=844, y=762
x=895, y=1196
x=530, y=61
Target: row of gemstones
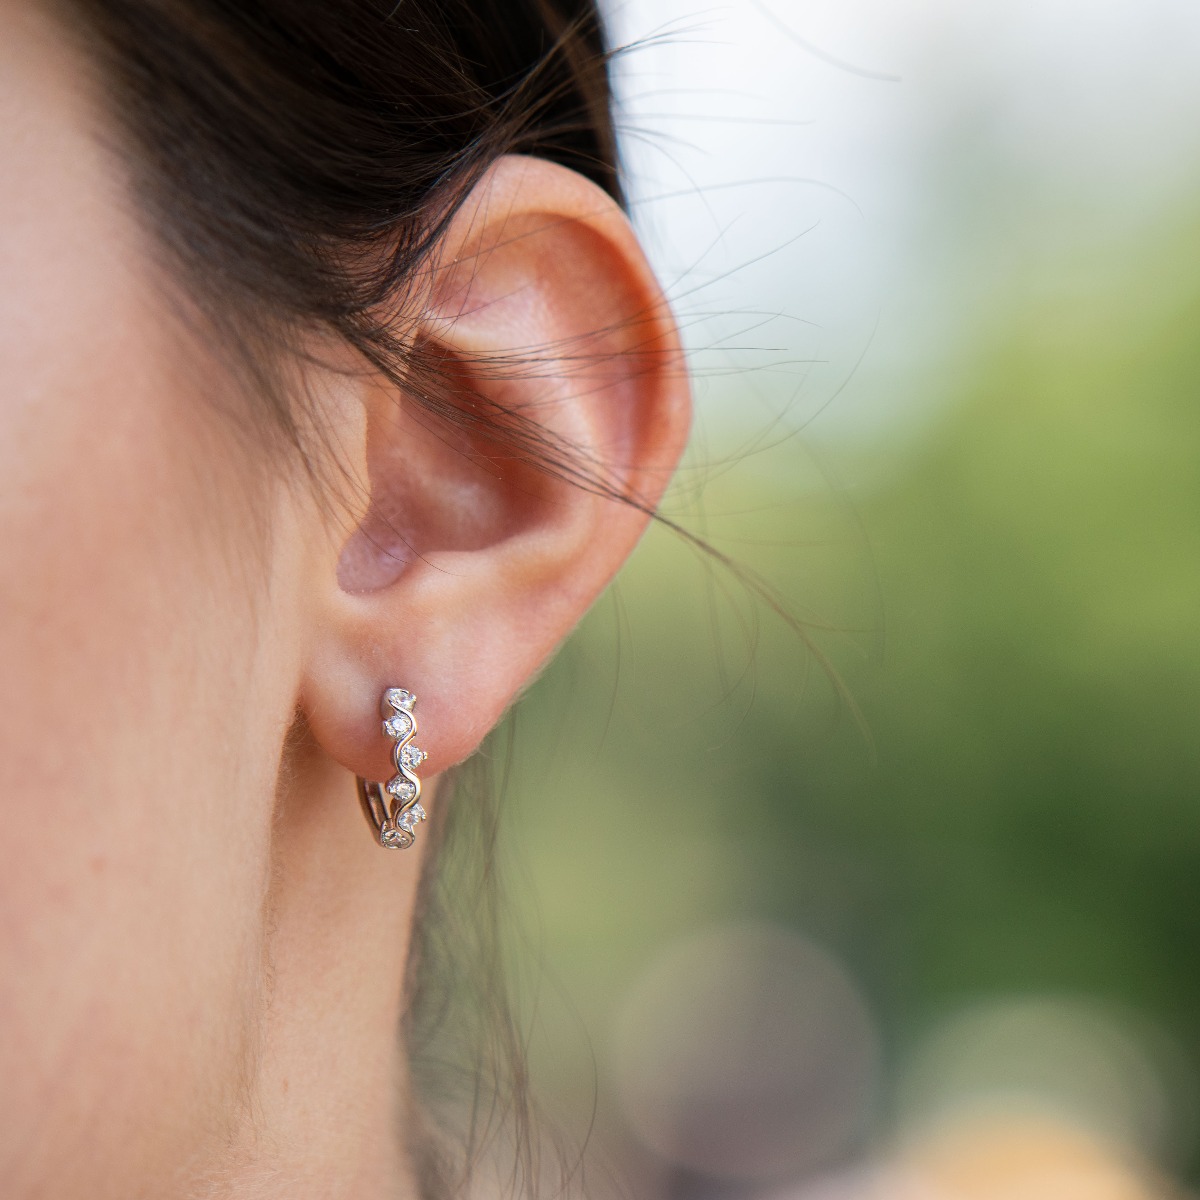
x=399, y=725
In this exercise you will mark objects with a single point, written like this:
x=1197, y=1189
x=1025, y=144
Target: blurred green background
x=967, y=780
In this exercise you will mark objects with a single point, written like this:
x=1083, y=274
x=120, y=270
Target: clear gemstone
x=401, y=788
x=408, y=820
x=398, y=726
x=412, y=756
x=394, y=839
x=400, y=697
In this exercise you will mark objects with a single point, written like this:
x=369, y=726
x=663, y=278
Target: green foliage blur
x=971, y=769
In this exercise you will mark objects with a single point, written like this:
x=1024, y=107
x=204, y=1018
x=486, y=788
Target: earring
x=394, y=808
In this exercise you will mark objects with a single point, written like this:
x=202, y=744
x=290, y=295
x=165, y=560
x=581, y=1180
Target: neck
x=324, y=1112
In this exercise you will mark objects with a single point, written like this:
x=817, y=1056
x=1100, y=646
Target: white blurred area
x=747, y=1053
x=832, y=189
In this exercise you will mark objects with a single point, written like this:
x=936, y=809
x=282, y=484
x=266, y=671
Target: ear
x=471, y=561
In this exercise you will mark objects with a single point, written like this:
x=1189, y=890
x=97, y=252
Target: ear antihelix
x=393, y=809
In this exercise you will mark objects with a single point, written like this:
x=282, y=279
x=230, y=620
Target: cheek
x=144, y=697
x=135, y=832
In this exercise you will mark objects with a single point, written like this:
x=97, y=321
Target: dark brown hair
x=297, y=161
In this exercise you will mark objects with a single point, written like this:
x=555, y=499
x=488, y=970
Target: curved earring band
x=394, y=809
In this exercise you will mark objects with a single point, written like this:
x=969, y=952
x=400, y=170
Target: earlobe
x=499, y=513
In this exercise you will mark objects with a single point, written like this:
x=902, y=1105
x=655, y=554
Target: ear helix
x=394, y=809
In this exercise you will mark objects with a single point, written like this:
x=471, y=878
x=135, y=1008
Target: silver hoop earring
x=394, y=809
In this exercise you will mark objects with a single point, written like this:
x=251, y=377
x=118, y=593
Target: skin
x=202, y=950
